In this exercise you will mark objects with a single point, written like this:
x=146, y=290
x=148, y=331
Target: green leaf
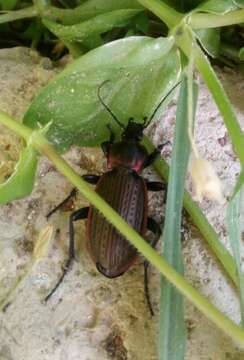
x=235, y=226
x=142, y=22
x=172, y=339
x=217, y=6
x=210, y=40
x=8, y=4
x=90, y=9
x=21, y=182
x=241, y=54
x=183, y=5
x=141, y=71
x=97, y=25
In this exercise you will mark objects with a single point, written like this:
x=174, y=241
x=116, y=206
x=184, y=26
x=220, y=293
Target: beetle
x=110, y=251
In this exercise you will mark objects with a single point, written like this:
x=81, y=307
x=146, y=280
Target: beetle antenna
x=106, y=106
x=158, y=106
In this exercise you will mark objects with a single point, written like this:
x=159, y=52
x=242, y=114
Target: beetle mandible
x=110, y=251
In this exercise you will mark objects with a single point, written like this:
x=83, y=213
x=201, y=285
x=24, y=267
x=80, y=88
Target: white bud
x=205, y=180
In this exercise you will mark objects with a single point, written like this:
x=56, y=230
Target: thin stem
x=167, y=14
x=203, y=21
x=16, y=127
x=29, y=12
x=41, y=144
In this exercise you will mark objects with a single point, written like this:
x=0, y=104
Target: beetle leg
x=91, y=179
x=155, y=186
x=161, y=146
x=76, y=215
x=106, y=144
x=153, y=156
x=70, y=196
x=155, y=228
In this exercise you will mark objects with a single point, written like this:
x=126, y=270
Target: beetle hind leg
x=155, y=228
x=76, y=215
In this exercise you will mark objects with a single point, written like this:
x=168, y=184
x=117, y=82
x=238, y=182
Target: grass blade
x=172, y=339
x=235, y=226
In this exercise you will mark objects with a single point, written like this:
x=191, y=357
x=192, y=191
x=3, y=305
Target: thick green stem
x=167, y=14
x=203, y=21
x=41, y=144
x=29, y=12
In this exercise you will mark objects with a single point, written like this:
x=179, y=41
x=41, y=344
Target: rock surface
x=91, y=317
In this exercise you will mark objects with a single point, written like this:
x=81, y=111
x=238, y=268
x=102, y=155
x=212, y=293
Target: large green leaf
x=8, y=4
x=141, y=71
x=96, y=25
x=21, y=182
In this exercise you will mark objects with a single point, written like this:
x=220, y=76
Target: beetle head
x=133, y=131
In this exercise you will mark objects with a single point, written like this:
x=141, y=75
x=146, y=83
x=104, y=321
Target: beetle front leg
x=76, y=215
x=155, y=228
x=153, y=156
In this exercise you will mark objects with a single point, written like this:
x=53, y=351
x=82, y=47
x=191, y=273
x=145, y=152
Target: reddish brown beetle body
x=126, y=192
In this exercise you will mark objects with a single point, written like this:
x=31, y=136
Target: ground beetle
x=126, y=191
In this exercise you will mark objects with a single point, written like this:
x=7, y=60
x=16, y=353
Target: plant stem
x=172, y=18
x=203, y=21
x=41, y=144
x=16, y=127
x=28, y=12
x=65, y=16
x=167, y=14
